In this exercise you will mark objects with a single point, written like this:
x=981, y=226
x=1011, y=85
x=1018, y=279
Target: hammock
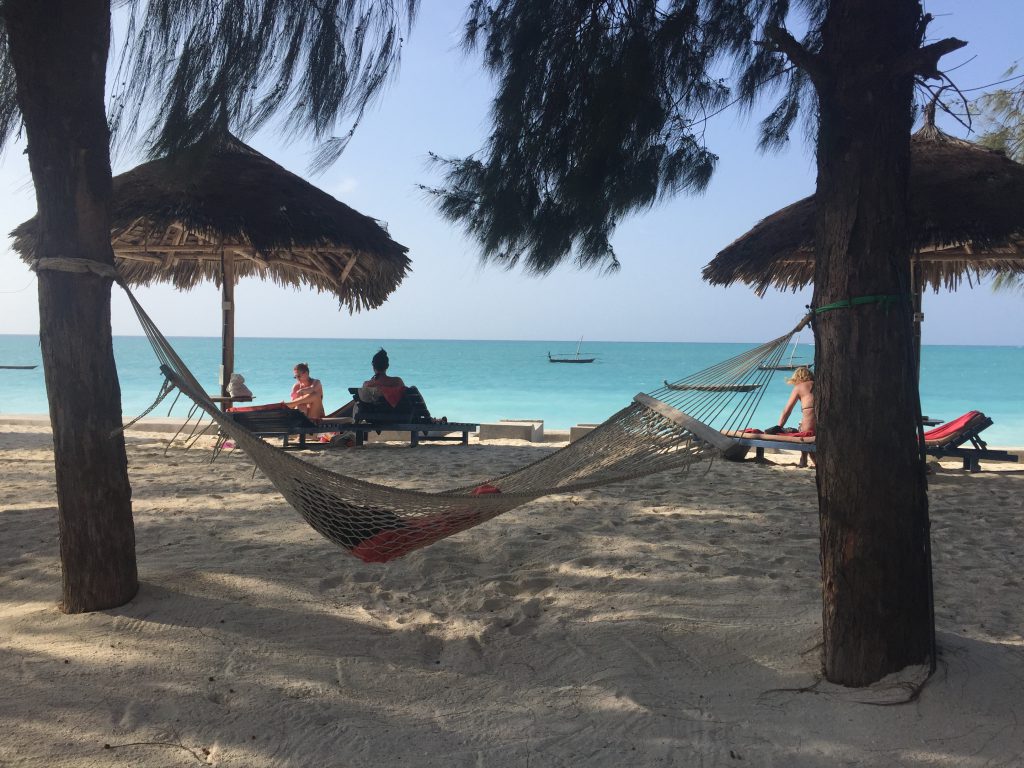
x=668, y=429
x=792, y=363
x=713, y=387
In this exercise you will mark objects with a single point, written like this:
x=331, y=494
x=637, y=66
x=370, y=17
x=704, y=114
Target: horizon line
x=809, y=343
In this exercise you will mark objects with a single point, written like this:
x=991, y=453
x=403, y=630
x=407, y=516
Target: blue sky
x=439, y=103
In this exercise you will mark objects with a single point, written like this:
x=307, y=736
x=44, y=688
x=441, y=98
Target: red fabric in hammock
x=415, y=533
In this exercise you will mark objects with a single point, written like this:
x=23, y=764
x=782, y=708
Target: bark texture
x=873, y=504
x=59, y=51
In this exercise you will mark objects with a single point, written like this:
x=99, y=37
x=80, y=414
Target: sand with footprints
x=673, y=620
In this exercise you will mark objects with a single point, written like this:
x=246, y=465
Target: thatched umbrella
x=966, y=221
x=223, y=211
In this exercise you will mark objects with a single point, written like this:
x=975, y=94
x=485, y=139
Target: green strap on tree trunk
x=887, y=299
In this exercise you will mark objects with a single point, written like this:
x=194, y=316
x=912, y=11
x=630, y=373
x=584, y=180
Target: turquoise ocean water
x=484, y=381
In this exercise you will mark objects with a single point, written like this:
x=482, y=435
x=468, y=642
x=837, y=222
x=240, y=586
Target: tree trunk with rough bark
x=873, y=504
x=59, y=51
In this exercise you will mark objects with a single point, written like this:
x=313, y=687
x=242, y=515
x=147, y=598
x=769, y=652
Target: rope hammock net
x=680, y=425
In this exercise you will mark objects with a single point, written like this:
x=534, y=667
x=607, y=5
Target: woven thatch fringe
x=967, y=220
x=171, y=217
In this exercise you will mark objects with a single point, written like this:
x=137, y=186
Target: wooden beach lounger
x=944, y=441
x=759, y=441
x=409, y=414
x=947, y=440
x=278, y=420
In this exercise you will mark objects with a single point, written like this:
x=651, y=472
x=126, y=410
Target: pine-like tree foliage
x=206, y=62
x=10, y=118
x=599, y=113
x=1001, y=114
x=189, y=68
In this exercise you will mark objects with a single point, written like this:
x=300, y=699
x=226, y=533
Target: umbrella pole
x=227, y=288
x=916, y=278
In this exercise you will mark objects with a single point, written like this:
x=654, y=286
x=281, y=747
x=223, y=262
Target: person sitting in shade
x=388, y=387
x=307, y=393
x=380, y=378
x=802, y=381
x=391, y=388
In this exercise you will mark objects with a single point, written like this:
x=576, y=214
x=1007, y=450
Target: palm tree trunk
x=873, y=503
x=59, y=51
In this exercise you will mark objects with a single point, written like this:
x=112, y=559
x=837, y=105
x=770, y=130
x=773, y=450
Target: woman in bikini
x=307, y=393
x=803, y=390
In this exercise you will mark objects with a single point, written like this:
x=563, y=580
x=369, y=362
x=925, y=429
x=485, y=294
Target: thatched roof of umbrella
x=170, y=218
x=967, y=219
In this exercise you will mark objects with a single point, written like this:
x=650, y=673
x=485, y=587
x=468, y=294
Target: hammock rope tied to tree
x=676, y=426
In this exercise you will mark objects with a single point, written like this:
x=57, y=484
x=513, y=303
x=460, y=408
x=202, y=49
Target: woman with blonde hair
x=803, y=391
x=307, y=393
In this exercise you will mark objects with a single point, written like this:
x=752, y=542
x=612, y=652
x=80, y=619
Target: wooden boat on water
x=18, y=367
x=571, y=358
x=561, y=359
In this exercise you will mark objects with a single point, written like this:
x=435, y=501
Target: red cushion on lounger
x=950, y=427
x=252, y=408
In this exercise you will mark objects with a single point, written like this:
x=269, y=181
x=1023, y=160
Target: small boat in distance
x=18, y=367
x=571, y=358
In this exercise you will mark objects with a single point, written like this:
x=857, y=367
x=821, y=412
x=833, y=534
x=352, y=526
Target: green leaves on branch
x=1001, y=114
x=189, y=68
x=1002, y=118
x=10, y=117
x=599, y=113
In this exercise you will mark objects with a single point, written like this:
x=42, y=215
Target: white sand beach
x=669, y=621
